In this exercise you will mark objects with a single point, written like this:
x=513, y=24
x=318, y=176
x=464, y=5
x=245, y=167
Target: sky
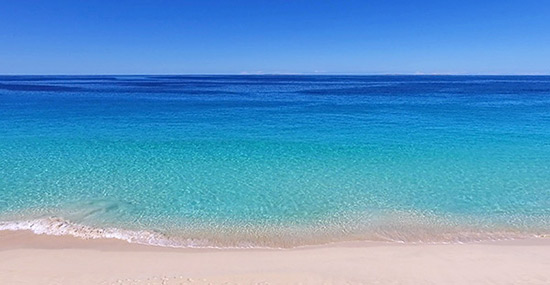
x=275, y=36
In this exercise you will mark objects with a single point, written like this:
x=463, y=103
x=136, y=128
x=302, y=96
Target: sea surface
x=276, y=161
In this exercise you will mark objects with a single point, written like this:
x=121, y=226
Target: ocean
x=276, y=160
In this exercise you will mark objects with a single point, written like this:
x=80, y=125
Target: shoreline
x=28, y=258
x=54, y=226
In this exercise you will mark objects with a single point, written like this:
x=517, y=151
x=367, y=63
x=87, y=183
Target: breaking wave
x=60, y=227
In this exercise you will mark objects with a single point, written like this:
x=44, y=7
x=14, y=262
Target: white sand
x=26, y=258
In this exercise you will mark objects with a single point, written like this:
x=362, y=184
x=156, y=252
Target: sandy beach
x=275, y=142
x=26, y=258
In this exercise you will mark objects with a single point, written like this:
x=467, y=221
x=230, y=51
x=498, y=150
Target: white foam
x=59, y=227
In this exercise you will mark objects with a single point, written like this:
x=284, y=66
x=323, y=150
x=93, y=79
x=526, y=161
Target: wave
x=60, y=227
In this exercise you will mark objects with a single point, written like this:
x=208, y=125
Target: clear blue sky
x=291, y=36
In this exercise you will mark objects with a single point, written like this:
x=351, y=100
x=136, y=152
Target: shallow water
x=276, y=160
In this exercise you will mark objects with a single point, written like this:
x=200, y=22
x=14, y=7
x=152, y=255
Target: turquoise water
x=276, y=160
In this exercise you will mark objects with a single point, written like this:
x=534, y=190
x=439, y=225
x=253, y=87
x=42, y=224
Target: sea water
x=276, y=161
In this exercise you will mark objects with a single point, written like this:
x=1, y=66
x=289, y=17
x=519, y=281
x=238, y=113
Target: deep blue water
x=276, y=160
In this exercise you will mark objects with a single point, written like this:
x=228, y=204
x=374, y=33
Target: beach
x=26, y=258
x=228, y=179
x=275, y=142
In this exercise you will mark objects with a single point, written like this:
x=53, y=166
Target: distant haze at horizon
x=275, y=37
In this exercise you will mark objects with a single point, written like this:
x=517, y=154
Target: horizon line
x=277, y=74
